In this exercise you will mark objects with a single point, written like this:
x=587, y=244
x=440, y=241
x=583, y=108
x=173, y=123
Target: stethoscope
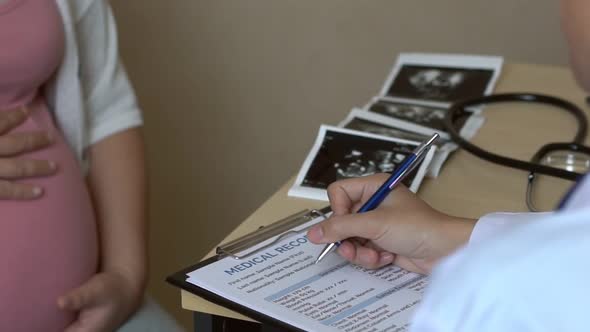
x=535, y=165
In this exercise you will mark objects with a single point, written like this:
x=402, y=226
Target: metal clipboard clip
x=283, y=228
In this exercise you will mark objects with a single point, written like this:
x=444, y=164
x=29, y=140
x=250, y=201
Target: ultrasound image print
x=383, y=130
x=443, y=84
x=343, y=155
x=431, y=117
x=354, y=165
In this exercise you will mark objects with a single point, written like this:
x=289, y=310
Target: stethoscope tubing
x=458, y=109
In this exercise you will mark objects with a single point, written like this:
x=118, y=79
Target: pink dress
x=48, y=246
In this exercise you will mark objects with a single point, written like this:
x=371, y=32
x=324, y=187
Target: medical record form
x=281, y=281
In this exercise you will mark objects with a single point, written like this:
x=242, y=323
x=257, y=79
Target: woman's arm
x=116, y=175
x=117, y=182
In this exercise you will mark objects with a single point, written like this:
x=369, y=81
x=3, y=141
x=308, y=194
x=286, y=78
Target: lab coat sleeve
x=495, y=224
x=531, y=278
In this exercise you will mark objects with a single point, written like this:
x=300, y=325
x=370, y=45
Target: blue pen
x=406, y=167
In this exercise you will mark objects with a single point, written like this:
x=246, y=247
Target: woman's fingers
x=15, y=144
x=18, y=191
x=18, y=143
x=11, y=119
x=12, y=168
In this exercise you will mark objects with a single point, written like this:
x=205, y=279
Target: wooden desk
x=467, y=186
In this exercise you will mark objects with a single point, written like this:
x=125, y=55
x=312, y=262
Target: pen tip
x=327, y=249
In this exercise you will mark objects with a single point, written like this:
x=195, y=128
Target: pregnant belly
x=47, y=246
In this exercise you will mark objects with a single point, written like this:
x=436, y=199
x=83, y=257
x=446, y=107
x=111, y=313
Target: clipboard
x=239, y=249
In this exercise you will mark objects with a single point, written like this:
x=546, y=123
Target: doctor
x=503, y=272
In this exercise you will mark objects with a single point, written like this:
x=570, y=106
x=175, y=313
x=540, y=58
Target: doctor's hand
x=11, y=167
x=403, y=230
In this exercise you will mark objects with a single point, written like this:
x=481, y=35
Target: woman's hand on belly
x=104, y=302
x=13, y=145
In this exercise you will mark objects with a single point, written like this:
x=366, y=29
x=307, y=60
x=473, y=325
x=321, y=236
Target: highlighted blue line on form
x=305, y=282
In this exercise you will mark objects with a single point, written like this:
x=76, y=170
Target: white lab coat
x=520, y=272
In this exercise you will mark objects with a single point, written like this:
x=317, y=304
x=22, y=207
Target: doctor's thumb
x=338, y=228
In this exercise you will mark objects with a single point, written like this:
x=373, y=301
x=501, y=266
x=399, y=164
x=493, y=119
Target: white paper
x=283, y=282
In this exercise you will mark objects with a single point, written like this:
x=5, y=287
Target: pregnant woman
x=48, y=246
x=72, y=239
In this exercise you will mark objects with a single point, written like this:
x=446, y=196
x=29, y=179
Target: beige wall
x=234, y=91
